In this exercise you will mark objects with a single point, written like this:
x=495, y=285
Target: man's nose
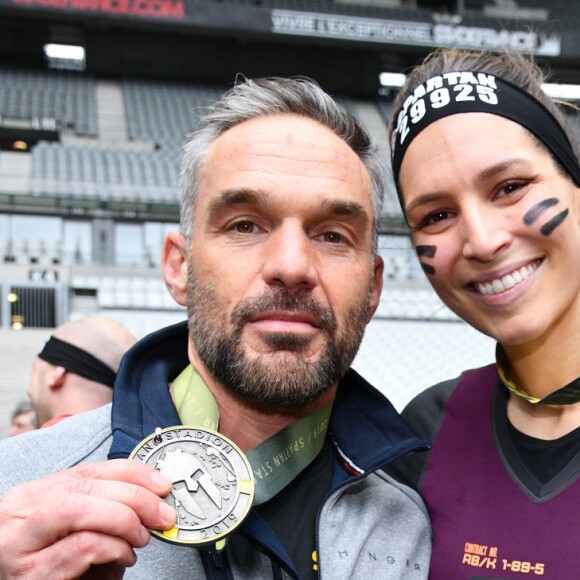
x=290, y=258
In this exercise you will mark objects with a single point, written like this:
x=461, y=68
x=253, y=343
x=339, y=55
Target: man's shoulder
x=404, y=494
x=77, y=439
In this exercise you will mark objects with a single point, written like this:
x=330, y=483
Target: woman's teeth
x=508, y=281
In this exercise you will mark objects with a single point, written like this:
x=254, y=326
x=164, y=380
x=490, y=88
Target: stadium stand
x=164, y=113
x=63, y=100
x=104, y=173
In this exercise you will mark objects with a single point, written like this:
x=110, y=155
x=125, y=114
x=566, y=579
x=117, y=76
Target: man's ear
x=174, y=267
x=56, y=378
x=377, y=287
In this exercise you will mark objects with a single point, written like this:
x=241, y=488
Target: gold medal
x=213, y=483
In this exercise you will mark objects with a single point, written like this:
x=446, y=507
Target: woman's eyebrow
x=493, y=170
x=422, y=200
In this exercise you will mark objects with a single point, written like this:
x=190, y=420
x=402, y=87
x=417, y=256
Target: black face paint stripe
x=533, y=214
x=426, y=251
x=427, y=268
x=550, y=226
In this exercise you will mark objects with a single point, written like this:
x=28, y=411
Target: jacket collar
x=366, y=429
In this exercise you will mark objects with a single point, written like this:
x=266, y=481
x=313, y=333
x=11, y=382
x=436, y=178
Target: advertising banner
x=276, y=22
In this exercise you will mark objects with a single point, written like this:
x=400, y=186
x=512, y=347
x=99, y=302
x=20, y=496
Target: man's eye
x=244, y=227
x=333, y=238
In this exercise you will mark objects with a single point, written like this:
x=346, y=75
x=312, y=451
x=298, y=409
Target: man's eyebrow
x=349, y=209
x=233, y=197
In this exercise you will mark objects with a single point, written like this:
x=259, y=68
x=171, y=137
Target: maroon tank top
x=486, y=524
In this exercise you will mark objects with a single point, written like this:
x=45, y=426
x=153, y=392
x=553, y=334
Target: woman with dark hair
x=489, y=182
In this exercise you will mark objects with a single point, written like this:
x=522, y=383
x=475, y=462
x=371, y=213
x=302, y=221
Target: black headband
x=478, y=92
x=78, y=361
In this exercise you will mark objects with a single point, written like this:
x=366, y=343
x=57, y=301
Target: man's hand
x=86, y=519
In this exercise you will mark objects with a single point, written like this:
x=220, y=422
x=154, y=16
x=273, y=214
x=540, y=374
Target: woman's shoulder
x=424, y=412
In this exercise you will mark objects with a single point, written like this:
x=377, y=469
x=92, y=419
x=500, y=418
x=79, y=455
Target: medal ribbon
x=276, y=461
x=567, y=395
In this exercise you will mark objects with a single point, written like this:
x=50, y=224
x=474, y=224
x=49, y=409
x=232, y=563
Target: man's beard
x=283, y=378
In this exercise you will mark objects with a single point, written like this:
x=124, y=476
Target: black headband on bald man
x=478, y=92
x=78, y=361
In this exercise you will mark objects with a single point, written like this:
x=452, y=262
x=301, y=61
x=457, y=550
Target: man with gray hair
x=254, y=450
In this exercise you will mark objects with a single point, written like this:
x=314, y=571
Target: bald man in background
x=76, y=369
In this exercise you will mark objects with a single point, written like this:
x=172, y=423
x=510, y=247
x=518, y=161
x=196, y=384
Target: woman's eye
x=511, y=187
x=433, y=218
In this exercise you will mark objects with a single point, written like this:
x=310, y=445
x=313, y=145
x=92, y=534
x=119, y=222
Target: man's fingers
x=55, y=490
x=80, y=512
x=129, y=471
x=81, y=554
x=61, y=525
